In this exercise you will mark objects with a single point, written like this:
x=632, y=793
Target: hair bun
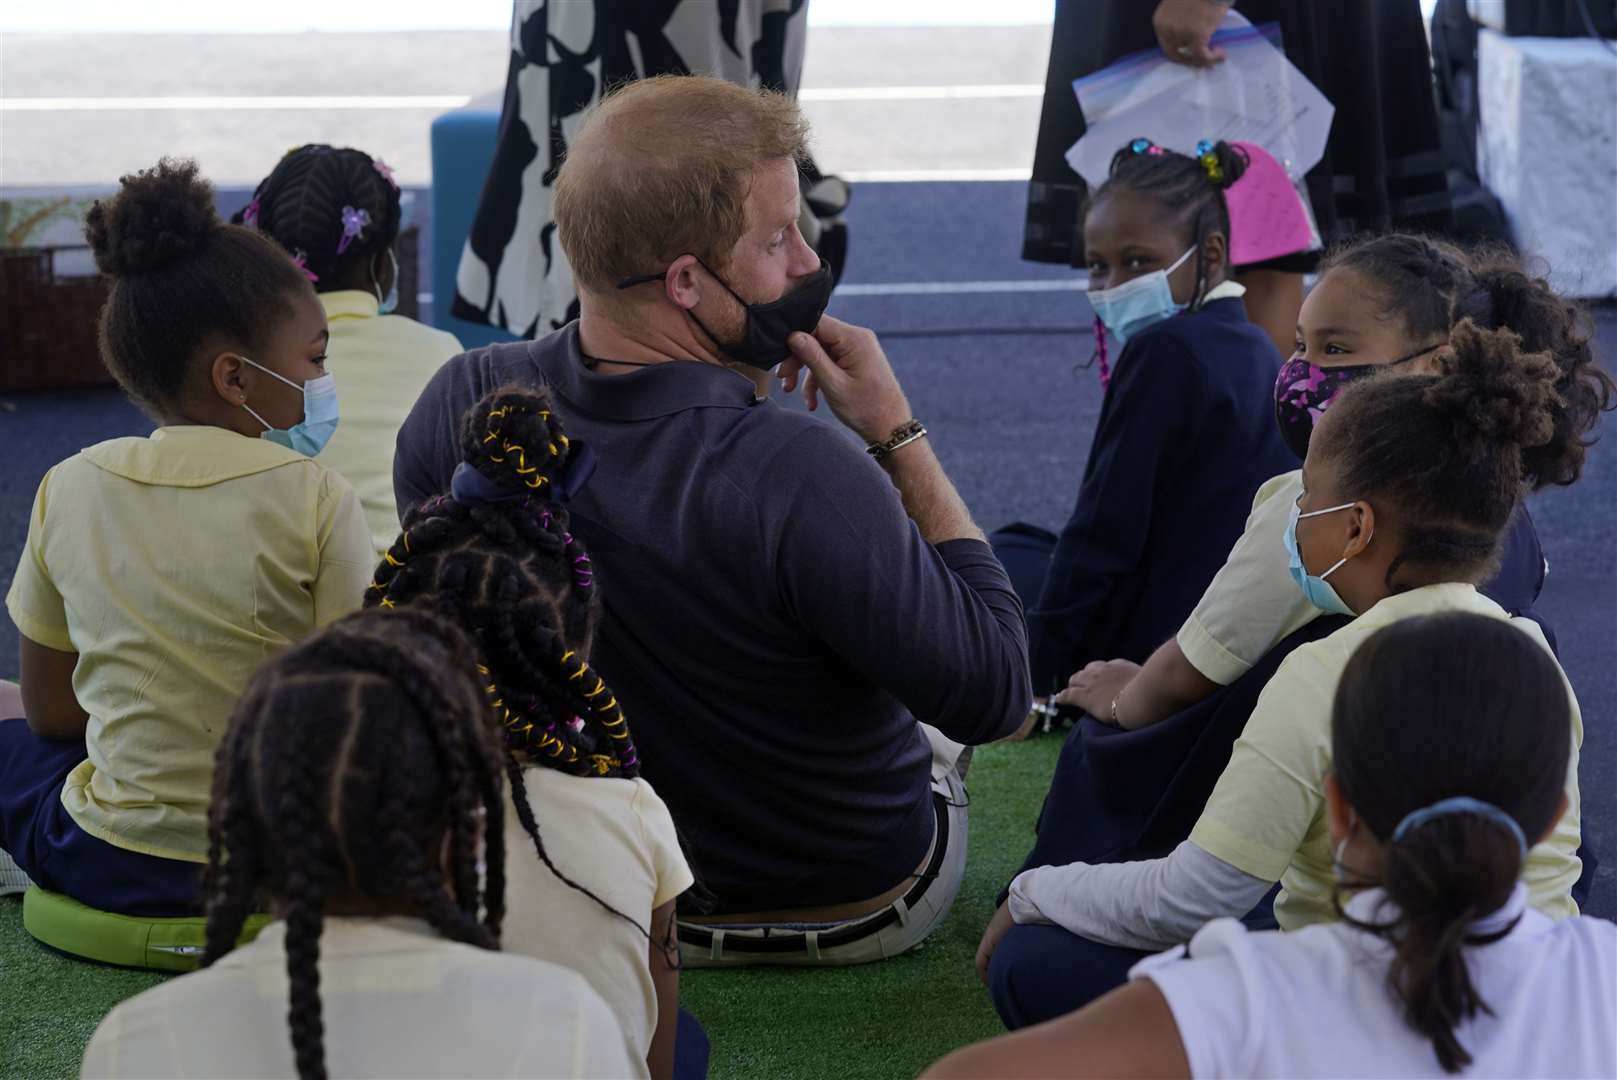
x=159, y=217
x=513, y=438
x=1492, y=393
x=1228, y=164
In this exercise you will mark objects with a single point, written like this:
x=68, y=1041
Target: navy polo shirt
x=773, y=621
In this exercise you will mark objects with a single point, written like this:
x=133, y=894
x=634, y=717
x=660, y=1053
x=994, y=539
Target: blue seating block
x=463, y=143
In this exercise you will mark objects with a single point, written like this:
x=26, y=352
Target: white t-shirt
x=1315, y=1002
x=615, y=838
x=397, y=999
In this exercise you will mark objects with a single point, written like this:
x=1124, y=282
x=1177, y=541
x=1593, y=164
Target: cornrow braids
x=509, y=569
x=352, y=765
x=1190, y=189
x=1445, y=453
x=315, y=199
x=1420, y=282
x=1431, y=286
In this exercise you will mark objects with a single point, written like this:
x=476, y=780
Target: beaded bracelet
x=902, y=435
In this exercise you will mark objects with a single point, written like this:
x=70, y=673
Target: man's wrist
x=900, y=436
x=891, y=420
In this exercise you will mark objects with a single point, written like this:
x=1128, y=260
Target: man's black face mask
x=766, y=326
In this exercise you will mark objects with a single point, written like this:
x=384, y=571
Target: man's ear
x=684, y=281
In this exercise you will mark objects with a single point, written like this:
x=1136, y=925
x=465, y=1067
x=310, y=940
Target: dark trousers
x=1040, y=972
x=38, y=832
x=691, y=1048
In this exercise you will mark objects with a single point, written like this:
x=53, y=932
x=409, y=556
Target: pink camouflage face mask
x=1304, y=390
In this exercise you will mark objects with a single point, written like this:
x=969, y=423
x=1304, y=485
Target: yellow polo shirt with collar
x=1252, y=604
x=1266, y=816
x=175, y=566
x=381, y=363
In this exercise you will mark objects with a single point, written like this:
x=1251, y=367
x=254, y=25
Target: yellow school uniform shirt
x=381, y=363
x=616, y=838
x=1267, y=814
x=175, y=566
x=1251, y=604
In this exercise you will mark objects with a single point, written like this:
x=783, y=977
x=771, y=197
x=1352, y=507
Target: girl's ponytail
x=1451, y=737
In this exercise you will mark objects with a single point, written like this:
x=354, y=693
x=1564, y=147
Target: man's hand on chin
x=846, y=366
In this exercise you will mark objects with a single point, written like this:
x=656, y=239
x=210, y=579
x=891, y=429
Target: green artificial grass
x=888, y=1020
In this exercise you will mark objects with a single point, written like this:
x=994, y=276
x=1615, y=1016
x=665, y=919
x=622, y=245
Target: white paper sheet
x=1256, y=94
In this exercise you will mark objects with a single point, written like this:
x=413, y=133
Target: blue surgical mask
x=1128, y=308
x=388, y=304
x=1318, y=591
x=309, y=435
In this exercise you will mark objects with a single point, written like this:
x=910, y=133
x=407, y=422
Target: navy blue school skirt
x=38, y=832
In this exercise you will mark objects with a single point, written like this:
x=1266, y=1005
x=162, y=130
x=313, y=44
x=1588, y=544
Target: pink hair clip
x=386, y=171
x=249, y=216
x=353, y=223
x=299, y=259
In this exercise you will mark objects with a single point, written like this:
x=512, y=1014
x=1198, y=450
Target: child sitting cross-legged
x=496, y=554
x=159, y=573
x=358, y=792
x=1451, y=737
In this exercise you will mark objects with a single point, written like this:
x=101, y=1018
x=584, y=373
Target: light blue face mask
x=1318, y=591
x=388, y=304
x=1134, y=305
x=309, y=435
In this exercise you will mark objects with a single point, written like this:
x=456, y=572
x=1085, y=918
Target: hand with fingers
x=1094, y=688
x=1185, y=29
x=1000, y=925
x=846, y=366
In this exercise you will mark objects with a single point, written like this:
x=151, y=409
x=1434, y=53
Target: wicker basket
x=48, y=323
x=48, y=320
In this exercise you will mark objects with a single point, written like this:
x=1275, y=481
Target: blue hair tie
x=468, y=487
x=1461, y=804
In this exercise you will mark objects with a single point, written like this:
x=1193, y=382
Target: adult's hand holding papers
x=1256, y=95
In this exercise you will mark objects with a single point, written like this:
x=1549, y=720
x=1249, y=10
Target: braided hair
x=314, y=200
x=1430, y=286
x=180, y=278
x=1446, y=455
x=1190, y=189
x=506, y=568
x=352, y=763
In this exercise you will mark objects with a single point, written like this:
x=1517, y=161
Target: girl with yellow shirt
x=337, y=210
x=1409, y=484
x=1385, y=303
x=1132, y=781
x=159, y=573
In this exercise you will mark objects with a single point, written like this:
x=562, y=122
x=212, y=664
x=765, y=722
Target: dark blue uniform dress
x=1186, y=436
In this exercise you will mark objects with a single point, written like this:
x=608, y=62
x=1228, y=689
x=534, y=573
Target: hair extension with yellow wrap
x=506, y=568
